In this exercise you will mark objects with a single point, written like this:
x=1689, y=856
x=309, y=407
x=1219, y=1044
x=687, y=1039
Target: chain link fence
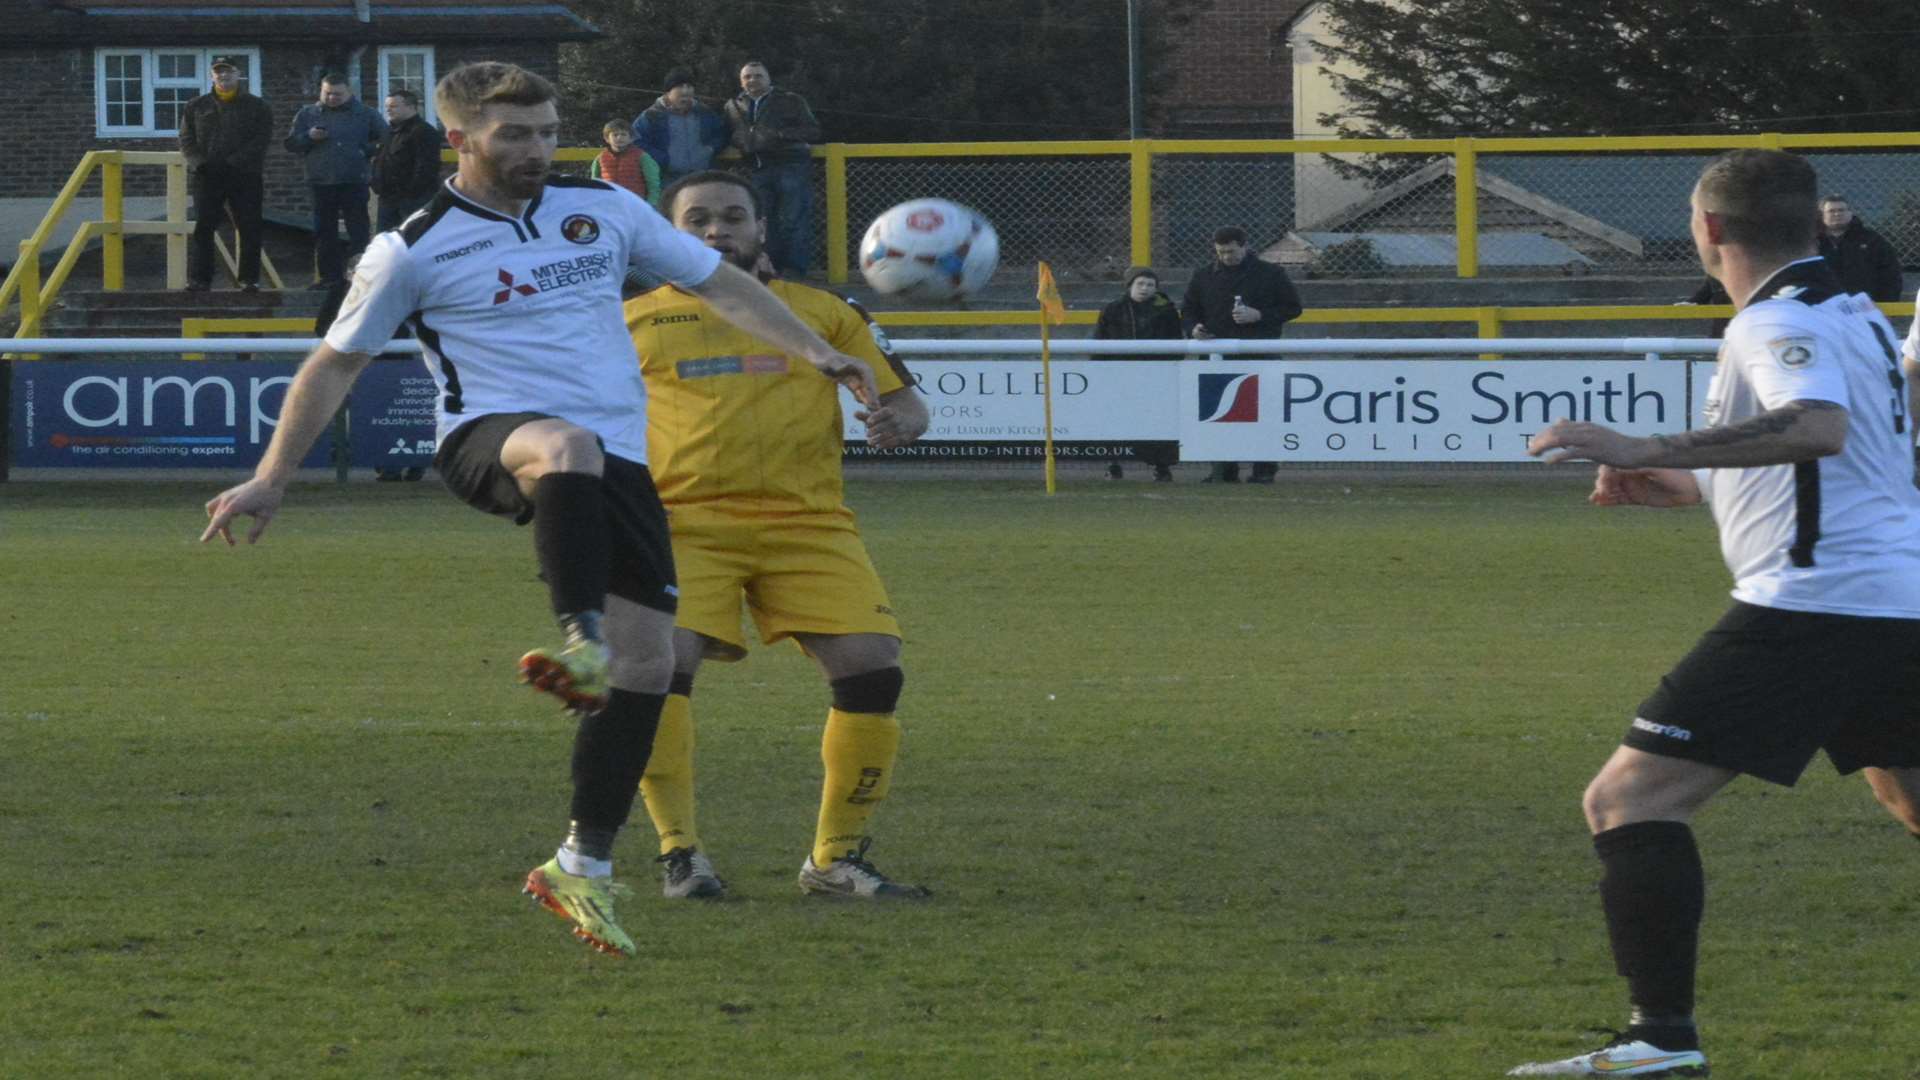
x=1884, y=190
x=1072, y=211
x=1378, y=215
x=1346, y=216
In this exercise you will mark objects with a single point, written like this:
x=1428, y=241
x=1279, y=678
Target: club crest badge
x=580, y=229
x=1792, y=353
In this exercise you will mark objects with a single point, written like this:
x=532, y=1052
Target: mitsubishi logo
x=506, y=293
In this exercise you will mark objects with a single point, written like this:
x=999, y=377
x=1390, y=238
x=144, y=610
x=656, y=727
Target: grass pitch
x=1209, y=782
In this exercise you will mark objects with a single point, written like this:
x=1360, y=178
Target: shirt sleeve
x=853, y=334
x=662, y=250
x=385, y=291
x=1911, y=349
x=1785, y=357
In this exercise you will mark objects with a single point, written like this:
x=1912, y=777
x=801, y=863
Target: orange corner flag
x=1051, y=306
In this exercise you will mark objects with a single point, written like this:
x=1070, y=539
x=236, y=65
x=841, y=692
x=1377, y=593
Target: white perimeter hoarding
x=1003, y=400
x=1315, y=410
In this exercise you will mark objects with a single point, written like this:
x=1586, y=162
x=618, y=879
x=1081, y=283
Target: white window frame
x=149, y=81
x=386, y=77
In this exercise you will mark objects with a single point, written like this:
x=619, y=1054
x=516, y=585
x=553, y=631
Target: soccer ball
x=929, y=249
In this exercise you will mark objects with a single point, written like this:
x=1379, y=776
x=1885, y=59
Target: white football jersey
x=523, y=314
x=1911, y=347
x=1840, y=534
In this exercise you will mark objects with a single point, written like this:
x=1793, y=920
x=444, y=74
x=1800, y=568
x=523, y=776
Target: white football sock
x=581, y=866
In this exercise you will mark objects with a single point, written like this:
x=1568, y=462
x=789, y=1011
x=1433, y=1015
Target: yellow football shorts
x=792, y=573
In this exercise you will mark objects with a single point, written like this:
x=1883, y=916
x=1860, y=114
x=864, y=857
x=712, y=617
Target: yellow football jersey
x=730, y=418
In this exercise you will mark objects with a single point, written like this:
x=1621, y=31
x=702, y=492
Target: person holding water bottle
x=1238, y=295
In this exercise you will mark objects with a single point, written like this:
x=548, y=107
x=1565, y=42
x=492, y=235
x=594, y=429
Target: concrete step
x=158, y=312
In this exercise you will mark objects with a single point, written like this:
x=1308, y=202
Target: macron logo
x=1229, y=399
x=506, y=294
x=1668, y=731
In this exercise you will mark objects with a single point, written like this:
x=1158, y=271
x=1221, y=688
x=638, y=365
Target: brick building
x=80, y=75
x=1231, y=73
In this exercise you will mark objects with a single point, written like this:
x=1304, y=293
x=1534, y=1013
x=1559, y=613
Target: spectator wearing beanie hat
x=1142, y=313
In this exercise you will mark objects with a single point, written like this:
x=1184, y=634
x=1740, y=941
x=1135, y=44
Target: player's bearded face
x=721, y=216
x=513, y=145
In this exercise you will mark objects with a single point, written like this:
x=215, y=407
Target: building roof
x=1438, y=250
x=110, y=22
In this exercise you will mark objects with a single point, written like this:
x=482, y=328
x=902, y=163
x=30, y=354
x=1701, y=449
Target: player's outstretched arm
x=1794, y=432
x=747, y=304
x=318, y=388
x=900, y=419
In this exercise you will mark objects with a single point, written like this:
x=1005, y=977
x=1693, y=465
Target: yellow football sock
x=858, y=750
x=667, y=785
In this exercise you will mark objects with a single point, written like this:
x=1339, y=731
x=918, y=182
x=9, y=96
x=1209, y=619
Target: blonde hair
x=612, y=126
x=466, y=91
x=1769, y=199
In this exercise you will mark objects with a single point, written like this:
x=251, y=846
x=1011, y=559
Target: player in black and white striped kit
x=511, y=281
x=1807, y=462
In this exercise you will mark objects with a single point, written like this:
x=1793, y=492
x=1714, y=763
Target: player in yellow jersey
x=745, y=444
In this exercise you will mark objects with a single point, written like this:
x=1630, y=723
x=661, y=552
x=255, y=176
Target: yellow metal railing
x=35, y=296
x=1465, y=152
x=203, y=327
x=1490, y=321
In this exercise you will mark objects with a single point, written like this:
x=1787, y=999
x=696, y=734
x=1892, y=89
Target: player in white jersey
x=1806, y=460
x=1910, y=363
x=511, y=281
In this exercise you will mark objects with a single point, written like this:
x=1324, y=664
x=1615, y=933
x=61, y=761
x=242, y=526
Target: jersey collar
x=524, y=222
x=1814, y=273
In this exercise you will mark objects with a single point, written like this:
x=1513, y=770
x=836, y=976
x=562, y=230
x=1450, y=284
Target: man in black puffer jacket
x=1865, y=260
x=1238, y=296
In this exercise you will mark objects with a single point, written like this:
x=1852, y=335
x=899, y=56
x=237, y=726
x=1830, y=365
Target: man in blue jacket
x=679, y=133
x=336, y=138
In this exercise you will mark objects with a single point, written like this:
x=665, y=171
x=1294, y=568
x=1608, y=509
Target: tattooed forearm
x=1798, y=430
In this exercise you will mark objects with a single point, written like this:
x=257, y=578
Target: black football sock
x=573, y=542
x=610, y=752
x=1653, y=890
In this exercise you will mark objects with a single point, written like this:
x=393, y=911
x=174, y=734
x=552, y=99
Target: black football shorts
x=641, y=570
x=1767, y=688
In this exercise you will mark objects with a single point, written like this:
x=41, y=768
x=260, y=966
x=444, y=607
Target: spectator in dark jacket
x=336, y=137
x=223, y=137
x=1143, y=313
x=1711, y=292
x=1865, y=260
x=774, y=131
x=406, y=169
x=679, y=133
x=1238, y=295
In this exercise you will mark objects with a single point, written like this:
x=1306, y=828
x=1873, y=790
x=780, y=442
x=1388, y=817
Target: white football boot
x=852, y=875
x=1623, y=1056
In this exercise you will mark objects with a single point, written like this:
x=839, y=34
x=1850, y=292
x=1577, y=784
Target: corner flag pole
x=1052, y=310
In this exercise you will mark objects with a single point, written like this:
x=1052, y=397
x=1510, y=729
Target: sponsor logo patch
x=1667, y=731
x=1229, y=398
x=508, y=289
x=356, y=294
x=462, y=252
x=1792, y=353
x=751, y=364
